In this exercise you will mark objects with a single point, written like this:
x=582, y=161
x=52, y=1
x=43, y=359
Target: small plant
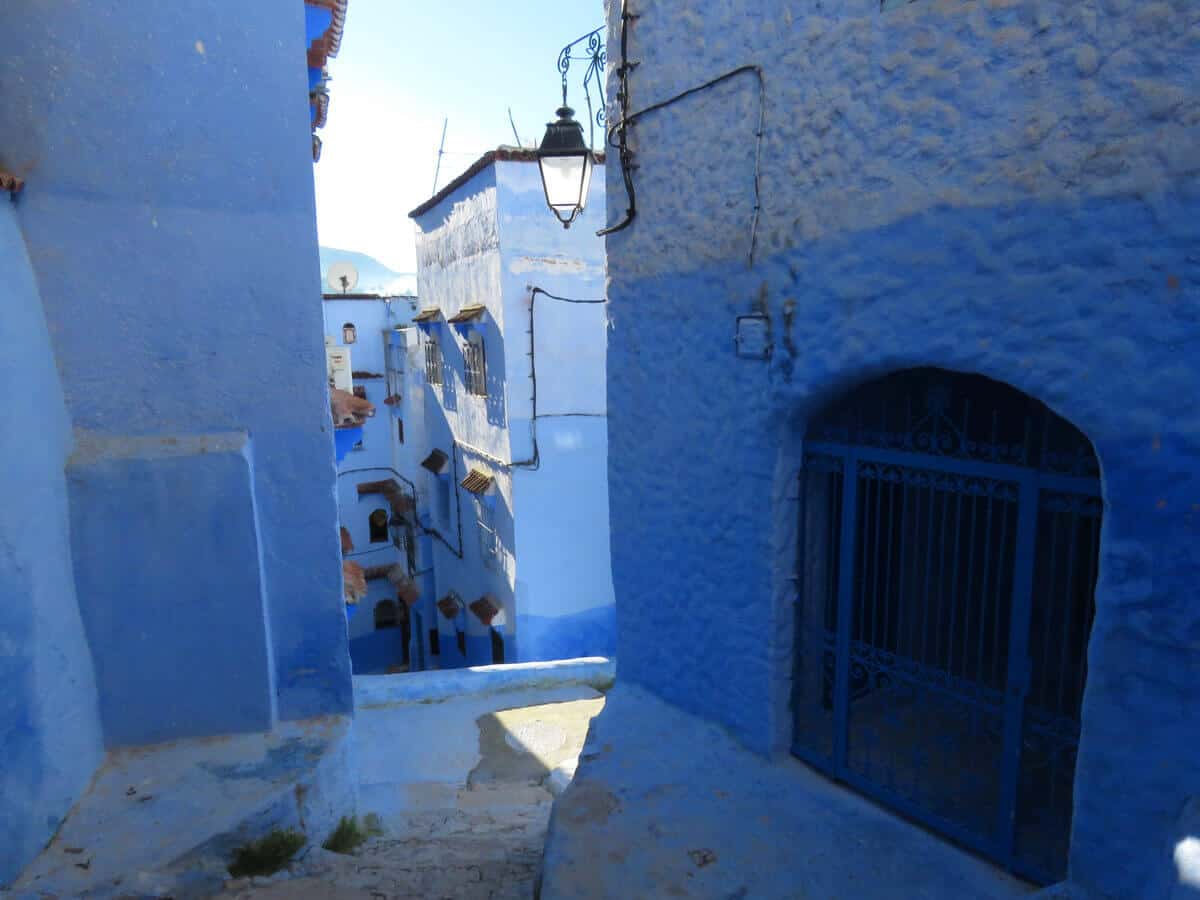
x=347, y=837
x=267, y=855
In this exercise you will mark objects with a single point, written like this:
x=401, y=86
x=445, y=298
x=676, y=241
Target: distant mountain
x=373, y=276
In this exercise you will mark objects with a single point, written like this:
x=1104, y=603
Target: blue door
x=950, y=539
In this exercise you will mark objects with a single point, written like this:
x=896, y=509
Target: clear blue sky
x=406, y=65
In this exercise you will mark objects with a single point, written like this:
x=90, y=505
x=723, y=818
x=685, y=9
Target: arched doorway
x=949, y=549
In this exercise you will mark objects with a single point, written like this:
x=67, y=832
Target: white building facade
x=507, y=428
x=375, y=497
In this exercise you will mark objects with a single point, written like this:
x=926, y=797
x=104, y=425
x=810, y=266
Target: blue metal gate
x=949, y=547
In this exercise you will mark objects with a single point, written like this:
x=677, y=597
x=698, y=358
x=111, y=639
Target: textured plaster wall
x=1008, y=188
x=49, y=722
x=169, y=218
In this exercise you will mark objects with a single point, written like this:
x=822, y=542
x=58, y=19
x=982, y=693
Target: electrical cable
x=617, y=133
x=433, y=532
x=535, y=460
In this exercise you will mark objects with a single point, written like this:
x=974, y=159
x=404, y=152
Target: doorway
x=949, y=550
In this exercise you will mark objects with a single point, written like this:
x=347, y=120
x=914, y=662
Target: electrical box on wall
x=337, y=366
x=752, y=339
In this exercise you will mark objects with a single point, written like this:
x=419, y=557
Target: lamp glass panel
x=563, y=176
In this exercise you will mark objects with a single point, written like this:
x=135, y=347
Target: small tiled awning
x=432, y=314
x=435, y=462
x=401, y=502
x=476, y=482
x=409, y=593
x=472, y=313
x=10, y=182
x=449, y=605
x=486, y=608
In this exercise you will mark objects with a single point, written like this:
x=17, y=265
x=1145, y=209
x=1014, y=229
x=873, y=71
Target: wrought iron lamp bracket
x=587, y=49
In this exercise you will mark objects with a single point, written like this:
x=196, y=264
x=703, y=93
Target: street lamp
x=565, y=162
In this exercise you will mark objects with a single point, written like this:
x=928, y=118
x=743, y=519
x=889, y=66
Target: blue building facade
x=511, y=431
x=169, y=560
x=376, y=499
x=941, y=191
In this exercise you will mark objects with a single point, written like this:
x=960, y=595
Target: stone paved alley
x=463, y=787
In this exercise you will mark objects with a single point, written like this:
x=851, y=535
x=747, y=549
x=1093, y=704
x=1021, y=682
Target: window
x=476, y=366
x=400, y=430
x=386, y=615
x=433, y=361
x=349, y=333
x=489, y=542
x=379, y=526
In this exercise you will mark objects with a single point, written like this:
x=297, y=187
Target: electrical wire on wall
x=535, y=460
x=432, y=532
x=618, y=133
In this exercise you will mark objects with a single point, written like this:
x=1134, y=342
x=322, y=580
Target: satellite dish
x=342, y=277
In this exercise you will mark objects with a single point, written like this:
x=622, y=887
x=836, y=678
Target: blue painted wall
x=381, y=456
x=49, y=722
x=490, y=241
x=1010, y=189
x=182, y=652
x=169, y=218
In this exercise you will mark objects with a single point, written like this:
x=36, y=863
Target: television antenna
x=343, y=276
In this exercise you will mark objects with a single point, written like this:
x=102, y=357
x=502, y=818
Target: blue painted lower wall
x=1091, y=306
x=588, y=633
x=49, y=723
x=374, y=652
x=165, y=538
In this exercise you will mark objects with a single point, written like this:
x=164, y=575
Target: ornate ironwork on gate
x=950, y=533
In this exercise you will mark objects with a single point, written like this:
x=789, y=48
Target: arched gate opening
x=949, y=549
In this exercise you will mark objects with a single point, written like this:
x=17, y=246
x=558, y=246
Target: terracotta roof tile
x=471, y=313
x=435, y=462
x=10, y=182
x=500, y=154
x=428, y=315
x=409, y=593
x=477, y=482
x=486, y=608
x=450, y=605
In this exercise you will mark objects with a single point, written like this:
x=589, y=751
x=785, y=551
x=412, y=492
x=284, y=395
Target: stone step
x=164, y=820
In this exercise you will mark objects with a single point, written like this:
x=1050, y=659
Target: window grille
x=476, y=367
x=489, y=541
x=394, y=365
x=433, y=361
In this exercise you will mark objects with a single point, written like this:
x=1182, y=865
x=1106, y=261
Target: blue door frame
x=1000, y=519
